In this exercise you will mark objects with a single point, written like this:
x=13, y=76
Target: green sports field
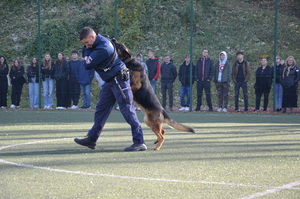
x=231, y=156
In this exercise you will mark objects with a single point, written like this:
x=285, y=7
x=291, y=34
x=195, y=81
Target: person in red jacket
x=153, y=65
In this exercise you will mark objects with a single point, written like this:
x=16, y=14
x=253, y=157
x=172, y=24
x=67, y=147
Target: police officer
x=99, y=54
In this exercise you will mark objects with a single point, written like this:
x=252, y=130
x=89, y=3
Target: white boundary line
x=130, y=177
x=275, y=189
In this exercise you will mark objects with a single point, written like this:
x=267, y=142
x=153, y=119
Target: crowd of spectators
x=71, y=80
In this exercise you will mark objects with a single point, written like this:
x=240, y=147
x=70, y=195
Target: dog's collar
x=127, y=60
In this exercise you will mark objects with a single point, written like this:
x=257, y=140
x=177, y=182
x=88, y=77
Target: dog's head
x=123, y=52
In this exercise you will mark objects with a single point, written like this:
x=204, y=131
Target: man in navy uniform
x=99, y=54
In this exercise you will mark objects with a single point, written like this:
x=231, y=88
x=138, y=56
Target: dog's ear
x=128, y=52
x=114, y=40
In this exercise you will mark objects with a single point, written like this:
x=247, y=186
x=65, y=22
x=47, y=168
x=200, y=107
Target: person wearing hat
x=240, y=77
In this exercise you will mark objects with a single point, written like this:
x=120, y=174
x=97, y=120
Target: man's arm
x=157, y=71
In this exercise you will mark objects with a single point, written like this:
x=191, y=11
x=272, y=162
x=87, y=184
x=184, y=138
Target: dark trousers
x=16, y=93
x=110, y=93
x=259, y=93
x=206, y=86
x=62, y=93
x=289, y=97
x=167, y=86
x=74, y=92
x=222, y=89
x=3, y=92
x=244, y=87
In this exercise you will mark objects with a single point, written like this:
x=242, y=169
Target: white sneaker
x=219, y=110
x=187, y=108
x=74, y=107
x=12, y=106
x=118, y=108
x=60, y=108
x=182, y=109
x=224, y=110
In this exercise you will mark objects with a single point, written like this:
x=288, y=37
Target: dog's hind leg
x=157, y=129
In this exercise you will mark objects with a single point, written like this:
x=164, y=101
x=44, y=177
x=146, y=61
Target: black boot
x=88, y=142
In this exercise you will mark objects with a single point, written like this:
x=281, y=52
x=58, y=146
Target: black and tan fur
x=146, y=99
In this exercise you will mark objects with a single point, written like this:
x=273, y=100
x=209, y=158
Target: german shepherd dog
x=145, y=97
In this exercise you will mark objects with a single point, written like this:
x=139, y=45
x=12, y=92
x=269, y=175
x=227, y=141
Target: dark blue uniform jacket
x=100, y=56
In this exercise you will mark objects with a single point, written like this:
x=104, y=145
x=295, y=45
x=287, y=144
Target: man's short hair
x=204, y=49
x=85, y=32
x=74, y=51
x=239, y=53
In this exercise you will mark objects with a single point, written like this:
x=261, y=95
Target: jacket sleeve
x=174, y=73
x=247, y=77
x=95, y=58
x=157, y=71
x=180, y=75
x=196, y=72
x=5, y=71
x=211, y=71
x=215, y=79
x=297, y=76
x=229, y=72
x=66, y=70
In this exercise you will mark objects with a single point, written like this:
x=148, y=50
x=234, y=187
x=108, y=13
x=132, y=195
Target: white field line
x=273, y=190
x=119, y=176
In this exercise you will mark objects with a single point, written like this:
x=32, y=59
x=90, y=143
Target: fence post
x=39, y=51
x=275, y=53
x=191, y=54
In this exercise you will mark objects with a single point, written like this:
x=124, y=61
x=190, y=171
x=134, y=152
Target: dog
x=145, y=97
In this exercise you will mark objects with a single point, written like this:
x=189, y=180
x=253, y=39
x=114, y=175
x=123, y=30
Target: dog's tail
x=176, y=125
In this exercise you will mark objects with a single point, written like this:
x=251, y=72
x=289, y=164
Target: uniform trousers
x=110, y=93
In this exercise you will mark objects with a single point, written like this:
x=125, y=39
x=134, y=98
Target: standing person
x=74, y=86
x=100, y=54
x=184, y=76
x=222, y=78
x=278, y=87
x=85, y=78
x=17, y=81
x=33, y=83
x=3, y=82
x=240, y=77
x=61, y=75
x=153, y=65
x=48, y=70
x=139, y=58
x=168, y=76
x=203, y=74
x=263, y=84
x=289, y=82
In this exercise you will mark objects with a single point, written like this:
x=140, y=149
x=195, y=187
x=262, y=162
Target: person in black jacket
x=184, y=75
x=61, y=75
x=168, y=76
x=204, y=74
x=48, y=70
x=3, y=82
x=289, y=82
x=17, y=81
x=278, y=87
x=264, y=76
x=74, y=86
x=33, y=83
